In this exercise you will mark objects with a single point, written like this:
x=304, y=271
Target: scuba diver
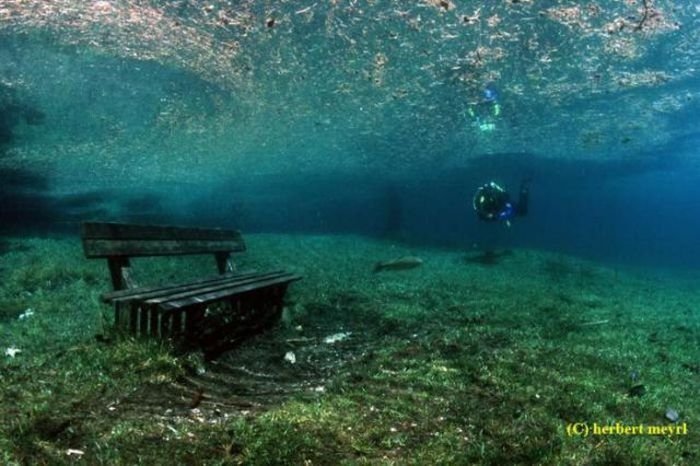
x=485, y=112
x=492, y=203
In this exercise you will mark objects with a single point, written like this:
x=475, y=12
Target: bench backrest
x=118, y=241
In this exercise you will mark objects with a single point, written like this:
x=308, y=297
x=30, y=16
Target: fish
x=402, y=263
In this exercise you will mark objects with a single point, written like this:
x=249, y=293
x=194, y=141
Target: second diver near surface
x=486, y=111
x=492, y=203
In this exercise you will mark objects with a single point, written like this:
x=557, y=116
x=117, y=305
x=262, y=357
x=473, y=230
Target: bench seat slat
x=213, y=287
x=134, y=293
x=217, y=295
x=186, y=287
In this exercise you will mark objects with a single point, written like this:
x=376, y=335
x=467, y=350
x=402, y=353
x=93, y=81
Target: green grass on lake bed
x=459, y=361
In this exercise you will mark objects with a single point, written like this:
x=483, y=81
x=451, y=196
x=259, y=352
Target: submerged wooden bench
x=253, y=299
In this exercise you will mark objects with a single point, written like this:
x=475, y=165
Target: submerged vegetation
x=210, y=111
x=449, y=363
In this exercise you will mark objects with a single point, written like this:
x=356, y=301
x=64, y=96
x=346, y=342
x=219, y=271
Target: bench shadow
x=488, y=257
x=252, y=371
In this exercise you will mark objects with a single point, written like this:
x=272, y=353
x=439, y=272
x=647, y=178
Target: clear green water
x=151, y=92
x=357, y=132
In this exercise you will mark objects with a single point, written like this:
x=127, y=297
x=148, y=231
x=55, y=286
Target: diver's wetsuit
x=492, y=202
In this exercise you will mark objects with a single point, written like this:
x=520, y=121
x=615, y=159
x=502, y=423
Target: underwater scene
x=349, y=232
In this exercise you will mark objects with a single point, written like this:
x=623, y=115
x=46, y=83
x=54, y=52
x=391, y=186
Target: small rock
x=290, y=357
x=12, y=351
x=672, y=415
x=336, y=337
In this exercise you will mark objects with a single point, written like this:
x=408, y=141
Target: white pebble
x=12, y=351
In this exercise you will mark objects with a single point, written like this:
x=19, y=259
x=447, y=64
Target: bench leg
x=138, y=319
x=133, y=318
x=126, y=317
x=118, y=315
x=165, y=324
x=176, y=323
x=172, y=323
x=153, y=324
x=143, y=320
x=249, y=314
x=193, y=321
x=253, y=313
